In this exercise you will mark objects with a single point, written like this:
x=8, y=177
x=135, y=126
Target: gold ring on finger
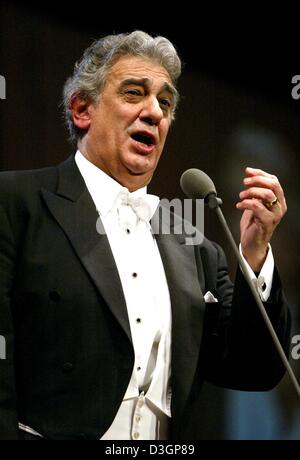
x=270, y=204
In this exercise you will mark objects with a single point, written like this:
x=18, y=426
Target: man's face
x=129, y=125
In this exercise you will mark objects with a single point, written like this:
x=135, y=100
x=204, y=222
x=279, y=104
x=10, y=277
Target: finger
x=264, y=194
x=263, y=181
x=256, y=204
x=260, y=211
x=257, y=172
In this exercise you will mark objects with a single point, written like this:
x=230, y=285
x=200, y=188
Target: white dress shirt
x=263, y=282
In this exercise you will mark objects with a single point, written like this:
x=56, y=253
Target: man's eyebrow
x=146, y=82
x=135, y=81
x=170, y=89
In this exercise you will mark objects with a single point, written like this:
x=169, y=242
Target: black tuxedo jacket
x=69, y=353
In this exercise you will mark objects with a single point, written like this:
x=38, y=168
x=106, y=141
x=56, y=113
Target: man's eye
x=133, y=92
x=165, y=103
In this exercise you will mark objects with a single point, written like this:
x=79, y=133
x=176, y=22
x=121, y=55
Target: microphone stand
x=214, y=203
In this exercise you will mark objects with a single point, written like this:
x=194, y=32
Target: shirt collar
x=102, y=188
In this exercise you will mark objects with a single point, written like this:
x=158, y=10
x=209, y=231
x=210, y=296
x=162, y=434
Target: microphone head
x=196, y=184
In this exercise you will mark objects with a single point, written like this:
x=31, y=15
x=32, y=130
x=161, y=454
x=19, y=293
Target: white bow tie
x=144, y=206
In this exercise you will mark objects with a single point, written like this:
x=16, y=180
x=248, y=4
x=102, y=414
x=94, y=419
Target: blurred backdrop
x=236, y=110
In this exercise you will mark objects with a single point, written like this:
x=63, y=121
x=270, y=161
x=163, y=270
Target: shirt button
x=138, y=320
x=138, y=418
x=134, y=274
x=127, y=231
x=136, y=435
x=139, y=368
x=261, y=283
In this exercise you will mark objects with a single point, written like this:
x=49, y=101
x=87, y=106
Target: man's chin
x=138, y=172
x=140, y=168
x=137, y=177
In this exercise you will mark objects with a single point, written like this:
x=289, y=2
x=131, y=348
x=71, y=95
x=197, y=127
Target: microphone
x=197, y=184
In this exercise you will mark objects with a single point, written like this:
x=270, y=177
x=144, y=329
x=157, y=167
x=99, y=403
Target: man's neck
x=130, y=181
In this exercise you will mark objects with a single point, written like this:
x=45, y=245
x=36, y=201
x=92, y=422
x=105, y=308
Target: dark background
x=236, y=110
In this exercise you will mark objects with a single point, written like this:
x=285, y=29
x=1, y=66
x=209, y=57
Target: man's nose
x=151, y=112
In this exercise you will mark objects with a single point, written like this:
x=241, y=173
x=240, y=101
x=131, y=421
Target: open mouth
x=146, y=139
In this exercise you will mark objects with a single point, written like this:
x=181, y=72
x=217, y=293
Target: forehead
x=138, y=67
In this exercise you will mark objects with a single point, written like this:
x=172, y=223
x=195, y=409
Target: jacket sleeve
x=239, y=351
x=8, y=403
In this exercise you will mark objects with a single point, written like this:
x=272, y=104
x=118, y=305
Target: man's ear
x=80, y=112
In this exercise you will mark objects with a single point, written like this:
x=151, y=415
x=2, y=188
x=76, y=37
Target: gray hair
x=91, y=70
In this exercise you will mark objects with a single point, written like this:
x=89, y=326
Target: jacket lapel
x=75, y=212
x=184, y=281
